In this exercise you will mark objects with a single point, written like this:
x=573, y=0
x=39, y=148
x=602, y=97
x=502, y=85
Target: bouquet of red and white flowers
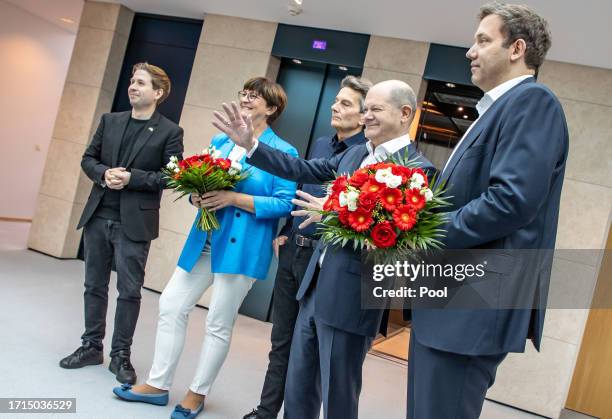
x=203, y=173
x=386, y=207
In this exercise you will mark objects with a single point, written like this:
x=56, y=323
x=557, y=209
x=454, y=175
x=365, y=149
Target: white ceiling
x=53, y=11
x=581, y=30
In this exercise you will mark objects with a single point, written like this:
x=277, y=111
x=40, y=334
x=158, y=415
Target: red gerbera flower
x=390, y=198
x=404, y=217
x=360, y=220
x=372, y=186
x=415, y=199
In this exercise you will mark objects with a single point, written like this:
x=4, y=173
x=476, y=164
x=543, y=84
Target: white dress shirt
x=485, y=103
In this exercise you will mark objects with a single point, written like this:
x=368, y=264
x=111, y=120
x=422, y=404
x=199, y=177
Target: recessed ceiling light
x=465, y=117
x=451, y=85
x=343, y=68
x=66, y=20
x=295, y=60
x=460, y=108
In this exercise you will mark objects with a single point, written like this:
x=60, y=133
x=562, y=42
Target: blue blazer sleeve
x=291, y=167
x=279, y=204
x=531, y=144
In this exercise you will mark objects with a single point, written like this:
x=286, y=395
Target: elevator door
x=311, y=89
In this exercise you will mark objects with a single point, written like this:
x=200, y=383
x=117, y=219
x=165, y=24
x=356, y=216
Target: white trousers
x=176, y=302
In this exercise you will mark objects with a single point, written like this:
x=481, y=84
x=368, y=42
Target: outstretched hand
x=238, y=128
x=311, y=205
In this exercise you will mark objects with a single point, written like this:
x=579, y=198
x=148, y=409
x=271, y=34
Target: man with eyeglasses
x=296, y=242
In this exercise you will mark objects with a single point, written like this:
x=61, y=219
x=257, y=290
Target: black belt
x=303, y=241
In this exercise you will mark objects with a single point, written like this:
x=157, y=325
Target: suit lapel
x=360, y=153
x=122, y=121
x=144, y=136
x=465, y=144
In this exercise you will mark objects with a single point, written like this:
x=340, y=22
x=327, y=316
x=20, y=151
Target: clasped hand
x=116, y=178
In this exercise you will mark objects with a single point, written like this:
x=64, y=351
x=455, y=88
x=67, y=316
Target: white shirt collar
x=492, y=95
x=387, y=148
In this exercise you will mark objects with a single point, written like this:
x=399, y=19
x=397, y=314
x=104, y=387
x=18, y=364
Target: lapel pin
x=151, y=129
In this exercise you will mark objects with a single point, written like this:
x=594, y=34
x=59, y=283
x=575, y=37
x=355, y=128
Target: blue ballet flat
x=125, y=393
x=181, y=413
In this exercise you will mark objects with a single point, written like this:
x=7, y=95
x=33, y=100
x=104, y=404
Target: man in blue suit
x=333, y=333
x=296, y=242
x=504, y=178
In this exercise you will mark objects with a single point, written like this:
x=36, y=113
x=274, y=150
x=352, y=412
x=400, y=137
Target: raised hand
x=235, y=126
x=311, y=205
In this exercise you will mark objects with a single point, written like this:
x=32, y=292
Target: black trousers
x=446, y=385
x=292, y=263
x=105, y=241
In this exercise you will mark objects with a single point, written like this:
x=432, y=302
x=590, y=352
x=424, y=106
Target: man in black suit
x=121, y=217
x=333, y=333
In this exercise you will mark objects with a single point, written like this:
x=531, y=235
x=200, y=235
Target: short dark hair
x=359, y=85
x=522, y=22
x=271, y=92
x=159, y=78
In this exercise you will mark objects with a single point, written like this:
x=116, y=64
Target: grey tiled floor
x=41, y=318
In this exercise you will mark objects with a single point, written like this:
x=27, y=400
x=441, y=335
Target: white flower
x=352, y=197
x=174, y=159
x=215, y=153
x=388, y=178
x=171, y=165
x=206, y=151
x=177, y=170
x=382, y=175
x=342, y=199
x=235, y=168
x=427, y=193
x=417, y=181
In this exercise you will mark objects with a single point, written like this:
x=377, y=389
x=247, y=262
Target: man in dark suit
x=332, y=332
x=296, y=242
x=121, y=217
x=504, y=178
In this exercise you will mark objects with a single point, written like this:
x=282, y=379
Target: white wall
x=34, y=58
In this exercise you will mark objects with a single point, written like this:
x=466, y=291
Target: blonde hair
x=159, y=78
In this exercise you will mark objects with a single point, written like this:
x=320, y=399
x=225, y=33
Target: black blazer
x=140, y=198
x=338, y=290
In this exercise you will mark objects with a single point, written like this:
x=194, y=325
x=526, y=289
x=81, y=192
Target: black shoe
x=252, y=415
x=121, y=366
x=85, y=355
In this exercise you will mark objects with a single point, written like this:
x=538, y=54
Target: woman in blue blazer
x=248, y=216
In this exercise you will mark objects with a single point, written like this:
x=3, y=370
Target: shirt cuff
x=252, y=150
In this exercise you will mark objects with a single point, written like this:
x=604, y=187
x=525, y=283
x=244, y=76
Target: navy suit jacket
x=338, y=288
x=505, y=184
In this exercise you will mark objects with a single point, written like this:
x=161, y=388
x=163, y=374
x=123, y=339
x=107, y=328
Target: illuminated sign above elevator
x=319, y=44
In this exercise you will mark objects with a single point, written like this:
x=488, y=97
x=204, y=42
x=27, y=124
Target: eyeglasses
x=246, y=94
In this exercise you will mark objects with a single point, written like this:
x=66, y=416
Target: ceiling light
x=295, y=7
x=343, y=68
x=66, y=20
x=451, y=85
x=460, y=108
x=295, y=60
x=465, y=117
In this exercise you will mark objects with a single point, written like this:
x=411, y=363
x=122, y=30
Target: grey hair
x=401, y=94
x=360, y=85
x=522, y=22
